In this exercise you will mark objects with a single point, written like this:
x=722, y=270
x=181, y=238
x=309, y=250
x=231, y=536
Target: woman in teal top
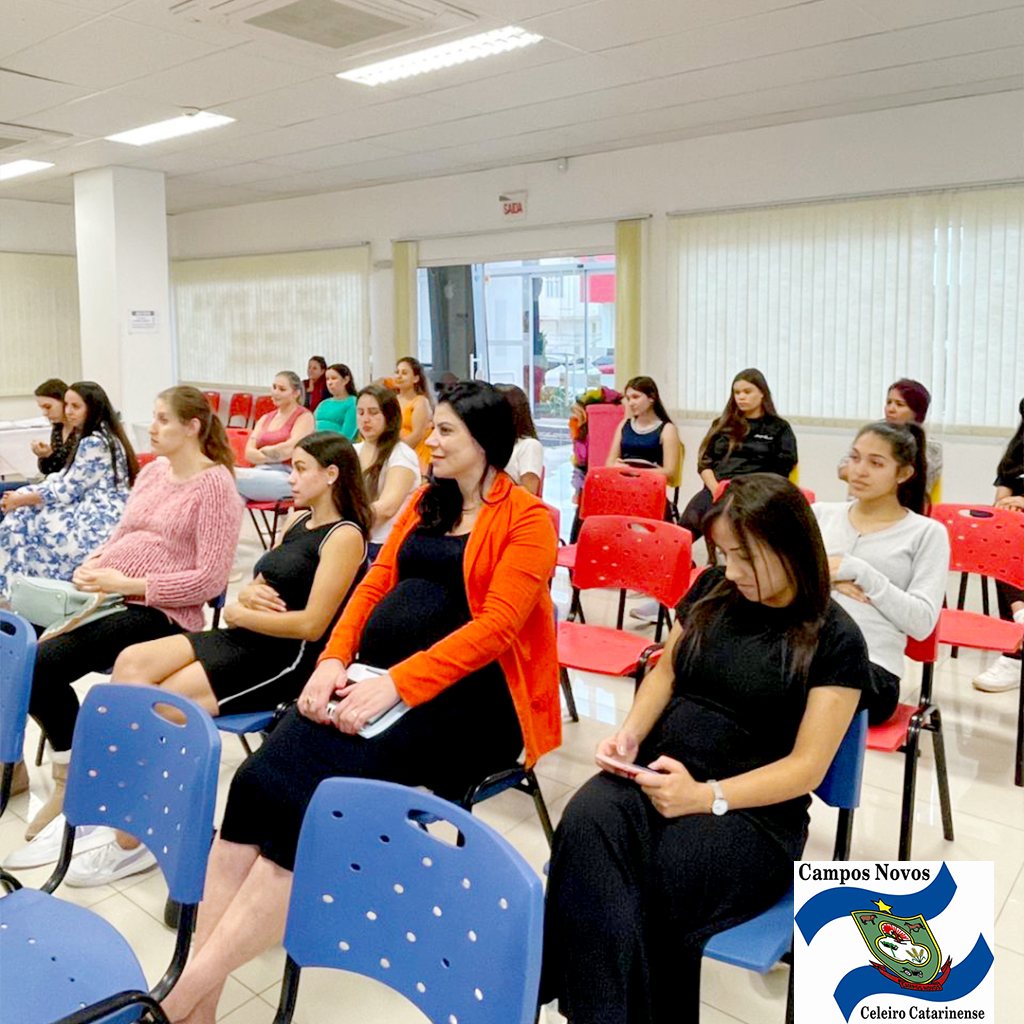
x=338, y=413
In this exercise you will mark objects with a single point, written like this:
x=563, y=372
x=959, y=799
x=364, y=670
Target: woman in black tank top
x=279, y=622
x=647, y=438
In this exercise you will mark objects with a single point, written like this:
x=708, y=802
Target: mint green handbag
x=59, y=606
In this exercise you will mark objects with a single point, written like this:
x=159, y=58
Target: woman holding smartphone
x=737, y=723
x=456, y=617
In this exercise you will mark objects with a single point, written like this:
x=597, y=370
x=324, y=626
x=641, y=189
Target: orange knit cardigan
x=509, y=558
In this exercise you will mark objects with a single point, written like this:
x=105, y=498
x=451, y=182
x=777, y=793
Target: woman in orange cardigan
x=456, y=612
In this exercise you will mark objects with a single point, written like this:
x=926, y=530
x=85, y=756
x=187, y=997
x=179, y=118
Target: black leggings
x=1006, y=595
x=633, y=897
x=93, y=647
x=696, y=509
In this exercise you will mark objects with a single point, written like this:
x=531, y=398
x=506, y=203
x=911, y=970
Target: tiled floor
x=988, y=817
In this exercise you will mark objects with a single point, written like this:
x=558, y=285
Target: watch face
x=719, y=807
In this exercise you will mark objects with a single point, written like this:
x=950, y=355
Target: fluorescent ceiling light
x=20, y=167
x=184, y=125
x=486, y=44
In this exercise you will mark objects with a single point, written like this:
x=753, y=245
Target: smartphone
x=626, y=767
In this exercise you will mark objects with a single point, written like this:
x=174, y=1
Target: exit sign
x=513, y=206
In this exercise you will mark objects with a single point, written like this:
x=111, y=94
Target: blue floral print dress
x=81, y=506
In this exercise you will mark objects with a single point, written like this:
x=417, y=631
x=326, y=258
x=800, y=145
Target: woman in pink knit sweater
x=170, y=554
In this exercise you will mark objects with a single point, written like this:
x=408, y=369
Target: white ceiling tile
x=21, y=95
x=319, y=97
x=327, y=157
x=238, y=174
x=190, y=197
x=217, y=78
x=518, y=10
x=370, y=122
x=302, y=182
x=106, y=52
x=102, y=114
x=244, y=148
x=158, y=15
x=27, y=22
x=460, y=132
x=96, y=6
x=919, y=12
x=611, y=23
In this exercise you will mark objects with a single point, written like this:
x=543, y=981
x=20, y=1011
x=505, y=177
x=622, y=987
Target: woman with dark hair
x=647, y=437
x=1004, y=673
x=53, y=457
x=414, y=398
x=277, y=628
x=338, y=413
x=888, y=561
x=170, y=554
x=456, y=617
x=272, y=441
x=57, y=523
x=526, y=465
x=736, y=724
x=314, y=387
x=749, y=437
x=907, y=401
x=390, y=467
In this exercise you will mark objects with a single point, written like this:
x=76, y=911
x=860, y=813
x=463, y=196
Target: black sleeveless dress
x=251, y=671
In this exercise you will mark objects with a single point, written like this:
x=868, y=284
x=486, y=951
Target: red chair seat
x=567, y=557
x=981, y=632
x=598, y=649
x=891, y=734
x=283, y=505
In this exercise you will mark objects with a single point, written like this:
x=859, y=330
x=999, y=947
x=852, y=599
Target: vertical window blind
x=39, y=326
x=835, y=301
x=241, y=319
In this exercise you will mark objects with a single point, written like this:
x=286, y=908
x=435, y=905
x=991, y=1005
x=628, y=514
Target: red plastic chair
x=213, y=397
x=239, y=439
x=629, y=553
x=240, y=408
x=271, y=512
x=264, y=404
x=809, y=495
x=615, y=491
x=903, y=732
x=145, y=458
x=990, y=542
x=602, y=421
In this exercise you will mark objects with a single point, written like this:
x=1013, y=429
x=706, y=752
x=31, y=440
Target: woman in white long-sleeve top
x=888, y=561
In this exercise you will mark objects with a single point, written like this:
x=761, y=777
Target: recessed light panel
x=486, y=44
x=171, y=129
x=19, y=167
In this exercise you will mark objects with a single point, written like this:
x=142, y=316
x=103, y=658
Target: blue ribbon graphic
x=842, y=901
x=866, y=981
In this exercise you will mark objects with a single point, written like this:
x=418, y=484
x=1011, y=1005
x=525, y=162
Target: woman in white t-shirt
x=390, y=467
x=526, y=467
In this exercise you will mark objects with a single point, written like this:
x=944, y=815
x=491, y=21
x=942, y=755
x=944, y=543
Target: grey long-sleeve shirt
x=902, y=570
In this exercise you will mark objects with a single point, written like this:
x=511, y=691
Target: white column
x=121, y=240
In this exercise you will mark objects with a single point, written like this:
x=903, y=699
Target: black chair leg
x=532, y=786
x=663, y=620
x=844, y=834
x=961, y=598
x=620, y=621
x=41, y=749
x=1018, y=770
x=984, y=594
x=789, y=993
x=911, y=751
x=575, y=607
x=570, y=701
x=245, y=745
x=939, y=751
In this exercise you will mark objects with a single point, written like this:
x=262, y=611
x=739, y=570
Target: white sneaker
x=107, y=864
x=1003, y=675
x=646, y=611
x=45, y=848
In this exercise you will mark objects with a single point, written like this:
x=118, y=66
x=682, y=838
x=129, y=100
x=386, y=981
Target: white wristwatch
x=720, y=805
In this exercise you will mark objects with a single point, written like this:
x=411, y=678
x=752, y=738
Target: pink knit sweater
x=180, y=536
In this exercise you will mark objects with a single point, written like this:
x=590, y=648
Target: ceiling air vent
x=338, y=29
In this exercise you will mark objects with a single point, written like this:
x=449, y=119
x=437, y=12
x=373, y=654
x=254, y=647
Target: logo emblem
x=904, y=948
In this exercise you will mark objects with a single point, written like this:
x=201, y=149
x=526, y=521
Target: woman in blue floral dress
x=51, y=527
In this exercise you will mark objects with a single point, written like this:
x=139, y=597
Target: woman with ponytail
x=888, y=561
x=170, y=554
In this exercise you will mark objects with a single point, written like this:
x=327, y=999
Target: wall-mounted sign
x=142, y=321
x=513, y=206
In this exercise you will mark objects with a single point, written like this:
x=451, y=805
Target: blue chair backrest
x=17, y=659
x=841, y=786
x=135, y=770
x=455, y=929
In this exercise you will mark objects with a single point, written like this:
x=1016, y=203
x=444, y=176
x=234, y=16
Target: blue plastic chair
x=759, y=944
x=135, y=770
x=17, y=659
x=456, y=929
